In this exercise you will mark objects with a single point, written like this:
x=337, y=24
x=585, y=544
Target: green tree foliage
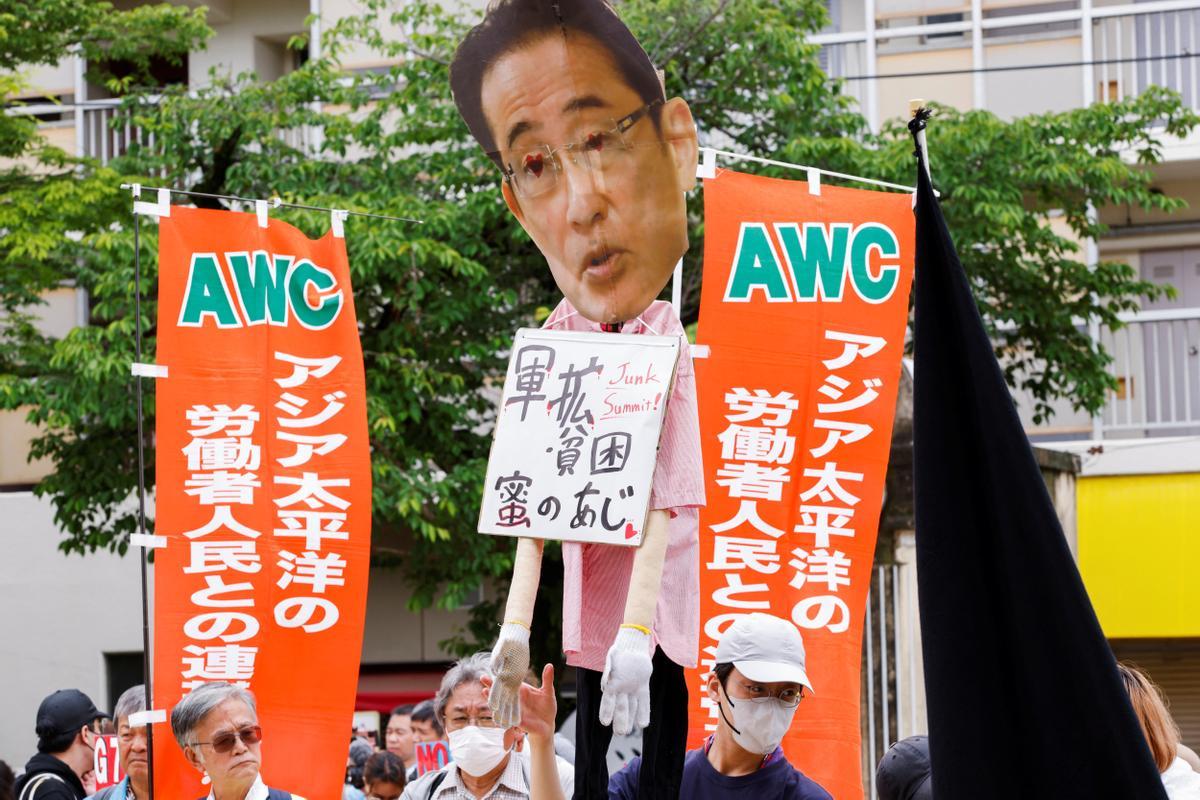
x=438, y=303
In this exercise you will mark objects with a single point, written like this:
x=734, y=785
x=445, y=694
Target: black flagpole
x=141, y=471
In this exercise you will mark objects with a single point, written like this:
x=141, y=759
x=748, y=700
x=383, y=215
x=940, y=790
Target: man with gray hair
x=217, y=727
x=131, y=749
x=486, y=759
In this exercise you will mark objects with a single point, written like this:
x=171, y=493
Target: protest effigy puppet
x=596, y=162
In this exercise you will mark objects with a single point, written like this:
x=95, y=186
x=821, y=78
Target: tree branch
x=695, y=33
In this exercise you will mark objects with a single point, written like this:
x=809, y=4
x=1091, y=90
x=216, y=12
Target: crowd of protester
x=756, y=687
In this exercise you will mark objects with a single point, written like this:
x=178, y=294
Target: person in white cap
x=757, y=684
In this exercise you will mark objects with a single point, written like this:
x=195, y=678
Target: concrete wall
x=250, y=37
x=47, y=80
x=63, y=309
x=951, y=90
x=1008, y=95
x=395, y=635
x=59, y=615
x=1176, y=180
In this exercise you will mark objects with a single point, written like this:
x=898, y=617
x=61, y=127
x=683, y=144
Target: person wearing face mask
x=67, y=727
x=756, y=686
x=486, y=761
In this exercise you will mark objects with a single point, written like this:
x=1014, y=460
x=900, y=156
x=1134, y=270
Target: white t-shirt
x=1181, y=781
x=258, y=791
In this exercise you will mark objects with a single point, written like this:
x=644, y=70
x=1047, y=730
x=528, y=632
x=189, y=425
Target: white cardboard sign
x=577, y=436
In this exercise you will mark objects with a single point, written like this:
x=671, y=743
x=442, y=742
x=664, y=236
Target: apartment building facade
x=1134, y=524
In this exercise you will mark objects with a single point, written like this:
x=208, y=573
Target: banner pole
x=918, y=114
x=273, y=202
x=141, y=459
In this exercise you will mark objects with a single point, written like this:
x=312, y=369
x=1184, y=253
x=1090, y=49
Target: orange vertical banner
x=263, y=490
x=803, y=309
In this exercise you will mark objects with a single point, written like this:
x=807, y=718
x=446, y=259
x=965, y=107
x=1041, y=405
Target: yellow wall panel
x=1139, y=553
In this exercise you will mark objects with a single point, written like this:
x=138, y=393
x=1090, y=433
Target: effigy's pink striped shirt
x=596, y=576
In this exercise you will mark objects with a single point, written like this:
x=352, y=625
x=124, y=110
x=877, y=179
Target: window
x=938, y=19
x=123, y=670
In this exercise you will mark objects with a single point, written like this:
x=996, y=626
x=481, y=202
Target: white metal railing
x=107, y=130
x=893, y=696
x=1148, y=50
x=847, y=59
x=1125, y=47
x=1156, y=362
x=879, y=696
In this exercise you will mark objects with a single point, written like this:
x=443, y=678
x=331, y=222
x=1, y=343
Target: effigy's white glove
x=509, y=665
x=625, y=684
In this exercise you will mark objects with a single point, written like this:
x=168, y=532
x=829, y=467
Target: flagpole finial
x=920, y=114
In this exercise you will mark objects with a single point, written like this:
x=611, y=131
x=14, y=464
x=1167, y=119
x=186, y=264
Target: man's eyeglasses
x=224, y=742
x=788, y=697
x=459, y=722
x=536, y=170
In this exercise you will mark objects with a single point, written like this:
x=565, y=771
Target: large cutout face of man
x=595, y=162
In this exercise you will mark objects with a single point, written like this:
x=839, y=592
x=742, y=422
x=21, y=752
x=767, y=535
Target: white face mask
x=758, y=725
x=477, y=751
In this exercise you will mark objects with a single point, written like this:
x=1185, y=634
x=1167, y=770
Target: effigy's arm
x=625, y=703
x=510, y=656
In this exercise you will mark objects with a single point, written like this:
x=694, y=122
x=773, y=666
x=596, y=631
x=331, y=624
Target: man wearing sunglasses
x=217, y=727
x=67, y=728
x=594, y=162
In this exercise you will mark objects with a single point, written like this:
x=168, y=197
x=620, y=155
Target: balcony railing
x=1136, y=51
x=1134, y=45
x=1156, y=362
x=107, y=130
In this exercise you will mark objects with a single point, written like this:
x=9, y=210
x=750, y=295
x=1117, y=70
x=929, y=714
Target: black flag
x=1023, y=694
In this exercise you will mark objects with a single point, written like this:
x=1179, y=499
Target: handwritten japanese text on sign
x=803, y=306
x=263, y=488
x=577, y=436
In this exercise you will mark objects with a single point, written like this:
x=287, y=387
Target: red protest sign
x=106, y=762
x=803, y=307
x=432, y=756
x=263, y=489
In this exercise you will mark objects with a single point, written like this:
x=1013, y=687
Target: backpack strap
x=31, y=788
x=434, y=784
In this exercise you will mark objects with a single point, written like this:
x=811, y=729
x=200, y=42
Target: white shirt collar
x=258, y=790
x=513, y=777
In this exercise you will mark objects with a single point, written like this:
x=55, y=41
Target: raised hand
x=538, y=706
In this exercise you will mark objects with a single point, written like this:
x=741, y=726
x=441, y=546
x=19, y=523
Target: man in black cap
x=67, y=729
x=904, y=772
